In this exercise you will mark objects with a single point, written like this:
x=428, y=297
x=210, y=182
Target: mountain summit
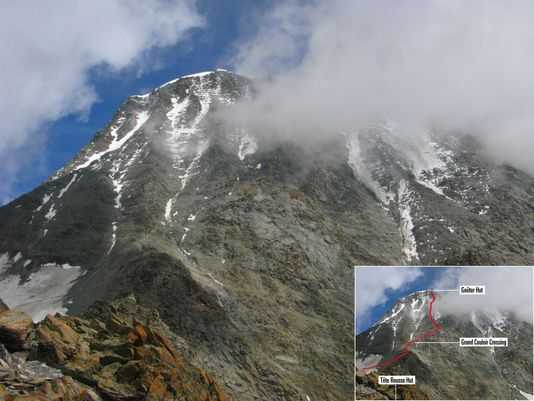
x=243, y=244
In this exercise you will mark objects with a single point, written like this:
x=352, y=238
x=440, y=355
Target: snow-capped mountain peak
x=233, y=235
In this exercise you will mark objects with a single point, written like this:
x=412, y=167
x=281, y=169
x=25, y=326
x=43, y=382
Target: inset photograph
x=444, y=333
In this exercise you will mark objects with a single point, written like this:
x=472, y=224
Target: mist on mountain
x=339, y=66
x=508, y=289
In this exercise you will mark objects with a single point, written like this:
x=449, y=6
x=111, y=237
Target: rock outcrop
x=114, y=352
x=15, y=327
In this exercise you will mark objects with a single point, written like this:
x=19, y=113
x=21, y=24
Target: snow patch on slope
x=527, y=396
x=186, y=230
x=168, y=209
x=187, y=141
x=418, y=312
x=141, y=118
x=4, y=262
x=357, y=163
x=247, y=146
x=177, y=111
x=368, y=360
x=196, y=75
x=409, y=244
x=43, y=292
x=64, y=190
x=430, y=166
x=113, y=236
x=191, y=170
x=51, y=212
x=46, y=198
x=118, y=175
x=396, y=310
x=116, y=179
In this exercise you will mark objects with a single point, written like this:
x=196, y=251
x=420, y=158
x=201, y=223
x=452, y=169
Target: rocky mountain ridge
x=245, y=246
x=113, y=352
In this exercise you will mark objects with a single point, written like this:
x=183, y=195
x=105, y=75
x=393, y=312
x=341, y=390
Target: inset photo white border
x=454, y=297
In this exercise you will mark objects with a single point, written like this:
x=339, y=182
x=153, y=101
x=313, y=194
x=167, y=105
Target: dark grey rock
x=252, y=265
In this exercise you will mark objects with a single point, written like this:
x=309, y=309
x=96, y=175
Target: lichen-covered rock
x=15, y=327
x=62, y=389
x=23, y=379
x=16, y=368
x=57, y=341
x=121, y=357
x=118, y=351
x=67, y=389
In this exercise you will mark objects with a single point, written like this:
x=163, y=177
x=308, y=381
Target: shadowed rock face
x=3, y=306
x=245, y=246
x=14, y=328
x=114, y=352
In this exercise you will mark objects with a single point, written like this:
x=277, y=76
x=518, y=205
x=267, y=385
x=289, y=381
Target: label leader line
x=466, y=289
x=473, y=342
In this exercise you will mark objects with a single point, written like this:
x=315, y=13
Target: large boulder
x=15, y=328
x=23, y=379
x=118, y=351
x=57, y=341
x=122, y=358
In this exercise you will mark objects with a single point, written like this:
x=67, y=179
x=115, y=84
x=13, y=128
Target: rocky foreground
x=118, y=351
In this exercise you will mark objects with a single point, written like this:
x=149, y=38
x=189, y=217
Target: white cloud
x=453, y=64
x=280, y=39
x=507, y=289
x=48, y=48
x=373, y=282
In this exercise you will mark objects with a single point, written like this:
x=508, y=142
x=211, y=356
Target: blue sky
x=211, y=46
x=85, y=57
x=379, y=288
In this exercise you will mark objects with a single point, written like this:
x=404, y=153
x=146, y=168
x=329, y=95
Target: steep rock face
x=447, y=371
x=14, y=328
x=245, y=253
x=245, y=246
x=453, y=204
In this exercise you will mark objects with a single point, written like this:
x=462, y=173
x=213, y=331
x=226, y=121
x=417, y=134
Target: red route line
x=406, y=349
